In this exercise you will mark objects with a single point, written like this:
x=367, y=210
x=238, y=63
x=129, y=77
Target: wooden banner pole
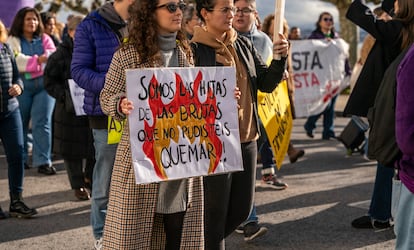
x=278, y=22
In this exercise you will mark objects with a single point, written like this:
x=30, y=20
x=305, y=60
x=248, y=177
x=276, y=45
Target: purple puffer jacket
x=94, y=45
x=404, y=119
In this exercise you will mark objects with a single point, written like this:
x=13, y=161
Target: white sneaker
x=98, y=244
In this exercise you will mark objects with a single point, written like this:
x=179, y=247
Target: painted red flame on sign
x=183, y=99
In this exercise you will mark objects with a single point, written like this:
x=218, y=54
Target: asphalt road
x=327, y=190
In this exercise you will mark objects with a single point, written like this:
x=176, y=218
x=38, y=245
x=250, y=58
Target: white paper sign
x=184, y=124
x=318, y=72
x=78, y=95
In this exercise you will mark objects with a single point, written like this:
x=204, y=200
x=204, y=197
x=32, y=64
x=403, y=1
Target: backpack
x=382, y=144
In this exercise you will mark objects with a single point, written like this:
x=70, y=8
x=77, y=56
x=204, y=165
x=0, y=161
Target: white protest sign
x=185, y=122
x=78, y=95
x=318, y=73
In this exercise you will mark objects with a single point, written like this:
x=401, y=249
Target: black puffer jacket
x=72, y=135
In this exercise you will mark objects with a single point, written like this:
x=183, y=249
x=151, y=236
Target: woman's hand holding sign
x=126, y=106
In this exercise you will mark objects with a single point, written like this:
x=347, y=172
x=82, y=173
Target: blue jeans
x=105, y=157
x=328, y=120
x=404, y=219
x=36, y=104
x=265, y=150
x=11, y=134
x=266, y=154
x=252, y=216
x=380, y=207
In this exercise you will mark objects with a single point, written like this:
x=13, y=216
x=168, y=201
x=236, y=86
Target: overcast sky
x=301, y=13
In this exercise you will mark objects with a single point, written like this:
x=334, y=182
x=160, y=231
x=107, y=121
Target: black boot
x=18, y=208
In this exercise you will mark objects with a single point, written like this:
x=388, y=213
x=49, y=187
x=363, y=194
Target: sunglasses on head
x=172, y=7
x=327, y=19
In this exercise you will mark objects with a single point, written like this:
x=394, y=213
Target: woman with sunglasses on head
x=229, y=197
x=166, y=215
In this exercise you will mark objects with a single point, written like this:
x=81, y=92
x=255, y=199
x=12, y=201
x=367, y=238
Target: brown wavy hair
x=143, y=35
x=16, y=29
x=405, y=15
x=266, y=23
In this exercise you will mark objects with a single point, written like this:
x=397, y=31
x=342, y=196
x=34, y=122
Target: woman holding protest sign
x=164, y=215
x=229, y=197
x=325, y=29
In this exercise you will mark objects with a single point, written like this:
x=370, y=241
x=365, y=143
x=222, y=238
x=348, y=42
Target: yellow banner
x=114, y=130
x=275, y=113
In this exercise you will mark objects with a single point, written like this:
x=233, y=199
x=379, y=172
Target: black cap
x=388, y=6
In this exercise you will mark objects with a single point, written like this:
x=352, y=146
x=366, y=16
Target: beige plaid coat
x=131, y=222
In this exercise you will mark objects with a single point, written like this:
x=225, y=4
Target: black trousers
x=228, y=199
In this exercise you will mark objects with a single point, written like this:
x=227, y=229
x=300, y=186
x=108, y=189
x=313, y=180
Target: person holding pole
x=228, y=198
x=244, y=24
x=268, y=27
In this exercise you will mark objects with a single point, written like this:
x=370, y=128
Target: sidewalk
x=327, y=190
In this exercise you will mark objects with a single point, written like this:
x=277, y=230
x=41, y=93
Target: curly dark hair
x=143, y=31
x=16, y=29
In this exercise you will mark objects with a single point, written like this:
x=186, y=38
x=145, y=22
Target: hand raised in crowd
x=15, y=90
x=281, y=46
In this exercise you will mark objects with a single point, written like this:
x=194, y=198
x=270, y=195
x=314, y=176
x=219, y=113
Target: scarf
x=168, y=51
x=226, y=54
